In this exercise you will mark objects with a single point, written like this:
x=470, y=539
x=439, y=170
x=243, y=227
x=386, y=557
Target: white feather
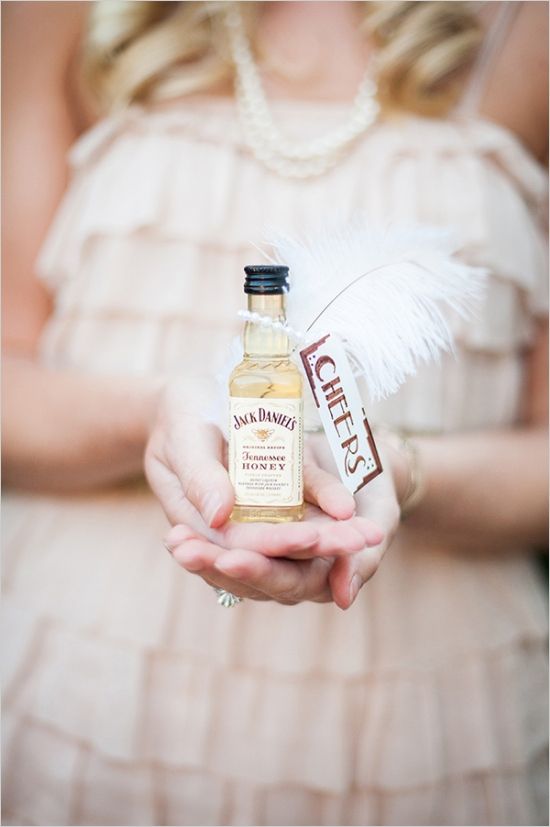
x=385, y=291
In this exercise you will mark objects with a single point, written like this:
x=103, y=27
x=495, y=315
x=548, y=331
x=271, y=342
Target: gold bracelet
x=416, y=483
x=416, y=487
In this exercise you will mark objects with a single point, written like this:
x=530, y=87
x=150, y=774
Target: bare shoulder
x=40, y=44
x=516, y=94
x=40, y=122
x=52, y=28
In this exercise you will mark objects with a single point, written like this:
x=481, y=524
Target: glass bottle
x=266, y=418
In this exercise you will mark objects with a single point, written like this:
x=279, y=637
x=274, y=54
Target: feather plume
x=385, y=292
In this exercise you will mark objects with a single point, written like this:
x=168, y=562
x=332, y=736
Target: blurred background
x=145, y=146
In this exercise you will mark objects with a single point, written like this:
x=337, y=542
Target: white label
x=341, y=411
x=265, y=451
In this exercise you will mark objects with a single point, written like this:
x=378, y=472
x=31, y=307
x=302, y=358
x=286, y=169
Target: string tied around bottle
x=274, y=324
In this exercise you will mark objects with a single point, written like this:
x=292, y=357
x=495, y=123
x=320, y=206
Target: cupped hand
x=287, y=562
x=252, y=573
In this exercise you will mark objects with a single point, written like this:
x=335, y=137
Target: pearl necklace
x=290, y=159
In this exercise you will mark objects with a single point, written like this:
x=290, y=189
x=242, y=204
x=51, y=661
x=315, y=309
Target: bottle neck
x=261, y=340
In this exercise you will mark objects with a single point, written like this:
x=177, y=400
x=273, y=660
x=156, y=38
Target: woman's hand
x=254, y=573
x=240, y=559
x=289, y=563
x=185, y=466
x=185, y=462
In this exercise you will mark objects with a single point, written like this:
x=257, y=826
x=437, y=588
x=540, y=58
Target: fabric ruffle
x=147, y=250
x=318, y=731
x=306, y=697
x=151, y=613
x=104, y=791
x=161, y=199
x=425, y=703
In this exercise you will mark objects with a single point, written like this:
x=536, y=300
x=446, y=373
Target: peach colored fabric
x=130, y=696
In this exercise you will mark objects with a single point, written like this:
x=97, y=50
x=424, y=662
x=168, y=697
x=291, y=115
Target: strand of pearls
x=290, y=159
x=274, y=324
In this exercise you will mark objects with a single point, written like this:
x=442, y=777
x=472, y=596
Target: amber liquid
x=266, y=372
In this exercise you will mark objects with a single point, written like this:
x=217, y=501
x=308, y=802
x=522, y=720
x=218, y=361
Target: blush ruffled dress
x=130, y=696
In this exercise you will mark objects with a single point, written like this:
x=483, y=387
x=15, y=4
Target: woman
x=131, y=697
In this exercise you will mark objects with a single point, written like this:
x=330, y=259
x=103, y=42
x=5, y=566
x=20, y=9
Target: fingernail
x=178, y=534
x=354, y=587
x=210, y=506
x=230, y=567
x=222, y=565
x=190, y=560
x=308, y=536
x=356, y=540
x=372, y=534
x=350, y=504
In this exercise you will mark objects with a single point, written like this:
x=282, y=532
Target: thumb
x=197, y=460
x=326, y=491
x=348, y=574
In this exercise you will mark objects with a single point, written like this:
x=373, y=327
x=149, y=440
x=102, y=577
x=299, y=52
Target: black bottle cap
x=266, y=279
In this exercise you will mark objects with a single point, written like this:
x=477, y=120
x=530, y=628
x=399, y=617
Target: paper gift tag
x=341, y=411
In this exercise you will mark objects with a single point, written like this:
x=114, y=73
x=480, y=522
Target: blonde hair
x=148, y=51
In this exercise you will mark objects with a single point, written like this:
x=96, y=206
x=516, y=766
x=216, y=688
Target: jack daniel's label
x=265, y=451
